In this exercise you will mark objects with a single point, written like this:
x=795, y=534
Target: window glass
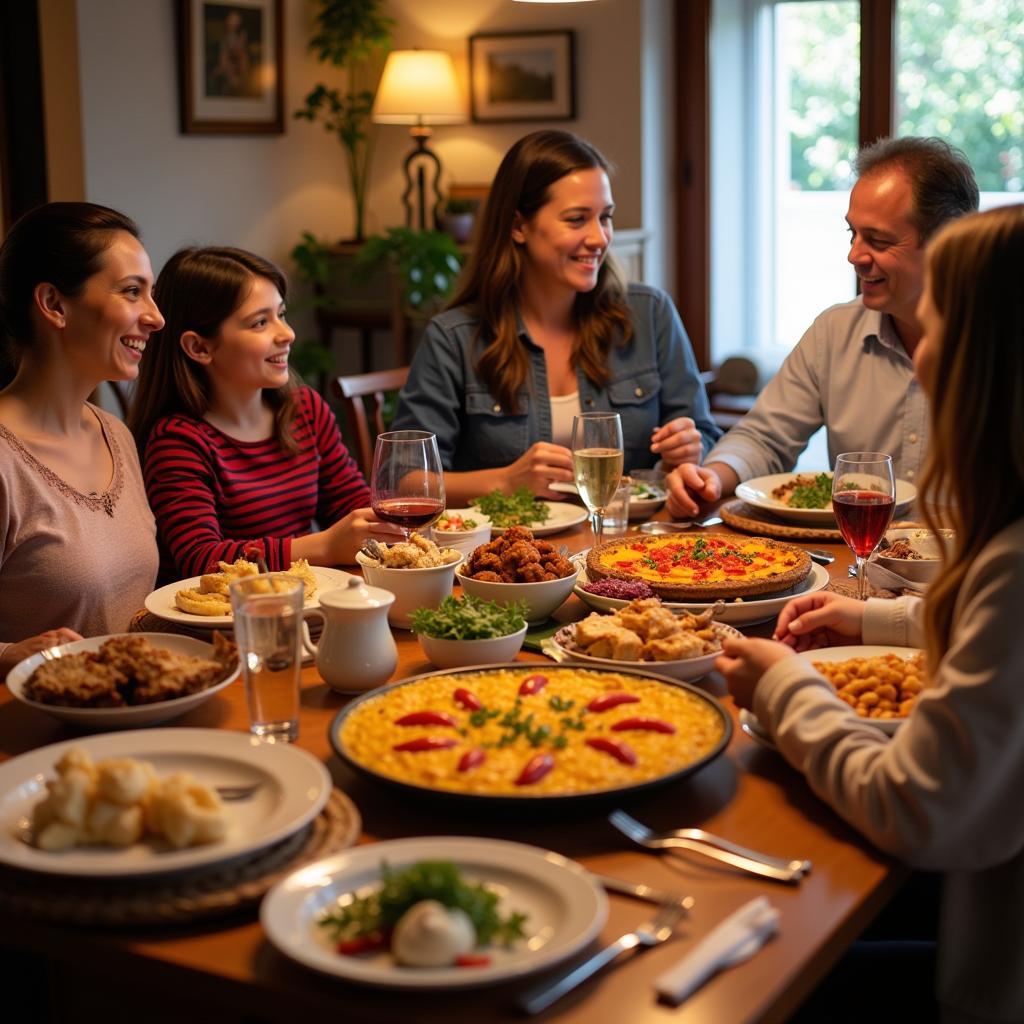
x=960, y=76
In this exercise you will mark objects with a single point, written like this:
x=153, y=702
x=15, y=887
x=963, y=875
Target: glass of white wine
x=597, y=462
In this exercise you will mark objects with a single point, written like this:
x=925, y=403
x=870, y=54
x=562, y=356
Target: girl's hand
x=820, y=620
x=541, y=464
x=678, y=441
x=33, y=645
x=689, y=487
x=743, y=662
x=348, y=535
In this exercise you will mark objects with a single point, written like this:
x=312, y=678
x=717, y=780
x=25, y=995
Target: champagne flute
x=597, y=461
x=863, y=499
x=406, y=483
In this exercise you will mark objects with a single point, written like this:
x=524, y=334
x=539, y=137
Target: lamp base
x=417, y=165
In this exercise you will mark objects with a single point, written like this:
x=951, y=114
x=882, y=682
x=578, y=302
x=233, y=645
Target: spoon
x=822, y=557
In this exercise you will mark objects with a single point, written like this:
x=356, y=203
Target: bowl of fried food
x=416, y=571
x=515, y=567
x=647, y=634
x=124, y=681
x=913, y=553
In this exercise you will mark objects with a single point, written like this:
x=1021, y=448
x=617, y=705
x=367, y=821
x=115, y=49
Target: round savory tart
x=703, y=567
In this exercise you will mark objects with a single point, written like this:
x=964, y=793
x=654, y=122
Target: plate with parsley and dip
x=541, y=518
x=806, y=497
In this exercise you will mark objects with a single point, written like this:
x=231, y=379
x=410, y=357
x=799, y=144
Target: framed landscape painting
x=231, y=66
x=522, y=76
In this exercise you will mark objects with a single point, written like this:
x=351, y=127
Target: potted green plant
x=457, y=219
x=427, y=264
x=353, y=35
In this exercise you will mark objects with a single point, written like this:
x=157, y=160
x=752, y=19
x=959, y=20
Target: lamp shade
x=418, y=87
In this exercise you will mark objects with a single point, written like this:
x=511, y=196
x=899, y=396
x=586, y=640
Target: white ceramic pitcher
x=356, y=651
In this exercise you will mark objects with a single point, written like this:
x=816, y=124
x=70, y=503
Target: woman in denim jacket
x=545, y=328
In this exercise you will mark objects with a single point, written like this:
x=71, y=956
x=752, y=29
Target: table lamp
x=418, y=88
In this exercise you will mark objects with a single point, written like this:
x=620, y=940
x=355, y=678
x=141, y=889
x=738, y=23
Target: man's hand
x=820, y=620
x=689, y=487
x=677, y=442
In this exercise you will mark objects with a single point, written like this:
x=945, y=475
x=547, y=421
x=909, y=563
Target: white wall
x=260, y=192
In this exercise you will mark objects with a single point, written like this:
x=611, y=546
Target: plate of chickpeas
x=881, y=684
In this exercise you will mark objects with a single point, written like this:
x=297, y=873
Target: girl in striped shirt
x=237, y=453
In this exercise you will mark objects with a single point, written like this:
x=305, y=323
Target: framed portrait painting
x=231, y=66
x=522, y=76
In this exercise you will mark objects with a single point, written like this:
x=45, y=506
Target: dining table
x=225, y=968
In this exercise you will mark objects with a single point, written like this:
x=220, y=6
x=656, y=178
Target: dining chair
x=732, y=389
x=362, y=396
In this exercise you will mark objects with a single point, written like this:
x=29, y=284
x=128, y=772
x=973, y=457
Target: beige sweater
x=69, y=559
x=945, y=792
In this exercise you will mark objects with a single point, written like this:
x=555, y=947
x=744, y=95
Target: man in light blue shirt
x=852, y=371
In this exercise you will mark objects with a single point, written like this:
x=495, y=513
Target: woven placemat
x=849, y=589
x=741, y=516
x=176, y=898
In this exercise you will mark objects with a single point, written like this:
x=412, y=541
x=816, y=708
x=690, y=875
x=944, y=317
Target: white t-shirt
x=564, y=409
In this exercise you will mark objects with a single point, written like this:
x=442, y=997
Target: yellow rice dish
x=531, y=731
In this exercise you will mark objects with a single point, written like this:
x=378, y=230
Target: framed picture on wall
x=522, y=76
x=231, y=66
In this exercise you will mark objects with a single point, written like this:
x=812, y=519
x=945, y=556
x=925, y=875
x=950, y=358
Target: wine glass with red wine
x=407, y=484
x=863, y=499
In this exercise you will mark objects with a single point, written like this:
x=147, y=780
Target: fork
x=650, y=933
x=242, y=792
x=699, y=841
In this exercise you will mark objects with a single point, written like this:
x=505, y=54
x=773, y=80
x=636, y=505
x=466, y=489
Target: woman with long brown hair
x=944, y=792
x=77, y=541
x=237, y=453
x=544, y=328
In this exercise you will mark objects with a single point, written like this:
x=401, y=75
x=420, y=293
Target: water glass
x=268, y=622
x=616, y=515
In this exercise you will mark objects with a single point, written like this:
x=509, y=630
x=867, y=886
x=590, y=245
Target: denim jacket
x=653, y=379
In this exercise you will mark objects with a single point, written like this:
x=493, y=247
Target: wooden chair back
x=362, y=396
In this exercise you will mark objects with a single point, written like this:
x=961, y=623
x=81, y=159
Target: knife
x=642, y=892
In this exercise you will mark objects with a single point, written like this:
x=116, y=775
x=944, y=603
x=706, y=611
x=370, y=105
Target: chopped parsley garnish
x=517, y=509
x=470, y=618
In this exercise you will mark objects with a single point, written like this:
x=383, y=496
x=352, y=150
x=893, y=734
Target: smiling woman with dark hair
x=77, y=539
x=543, y=328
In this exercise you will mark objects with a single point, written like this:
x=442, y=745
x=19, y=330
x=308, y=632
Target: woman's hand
x=689, y=487
x=541, y=464
x=820, y=620
x=743, y=662
x=677, y=442
x=33, y=645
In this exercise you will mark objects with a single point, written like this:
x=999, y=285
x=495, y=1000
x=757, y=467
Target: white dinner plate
x=161, y=602
x=294, y=786
x=133, y=717
x=741, y=612
x=561, y=516
x=752, y=726
x=565, y=909
x=758, y=492
x=639, y=508
x=686, y=669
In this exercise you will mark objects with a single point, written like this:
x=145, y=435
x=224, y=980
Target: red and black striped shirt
x=214, y=496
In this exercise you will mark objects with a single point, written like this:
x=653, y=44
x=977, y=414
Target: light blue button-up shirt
x=851, y=374
x=653, y=379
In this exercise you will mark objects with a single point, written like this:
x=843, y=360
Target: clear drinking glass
x=863, y=499
x=597, y=460
x=268, y=621
x=406, y=483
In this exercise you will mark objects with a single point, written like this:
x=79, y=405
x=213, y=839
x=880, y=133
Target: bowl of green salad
x=468, y=630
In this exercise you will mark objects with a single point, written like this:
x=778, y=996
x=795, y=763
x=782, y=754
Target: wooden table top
x=749, y=795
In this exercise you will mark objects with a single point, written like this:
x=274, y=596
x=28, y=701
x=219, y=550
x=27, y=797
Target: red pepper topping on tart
x=643, y=725
x=532, y=684
x=620, y=751
x=467, y=700
x=607, y=701
x=535, y=769
x=472, y=759
x=427, y=718
x=422, y=743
